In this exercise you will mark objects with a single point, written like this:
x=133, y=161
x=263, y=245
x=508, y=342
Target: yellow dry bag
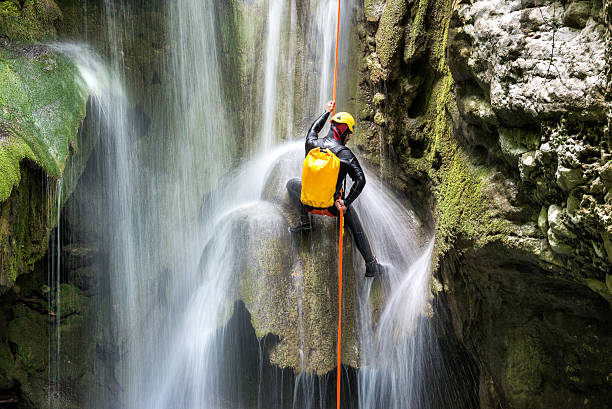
x=319, y=178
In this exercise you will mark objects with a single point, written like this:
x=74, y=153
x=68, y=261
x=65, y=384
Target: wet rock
x=568, y=179
x=543, y=220
x=556, y=222
x=293, y=296
x=510, y=146
x=577, y=13
x=379, y=119
x=378, y=98
x=390, y=30
x=527, y=165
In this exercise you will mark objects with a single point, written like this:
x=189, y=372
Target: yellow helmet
x=344, y=118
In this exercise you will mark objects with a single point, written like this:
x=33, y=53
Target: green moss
x=43, y=103
x=70, y=299
x=461, y=208
x=390, y=30
x=34, y=21
x=29, y=333
x=439, y=47
x=417, y=29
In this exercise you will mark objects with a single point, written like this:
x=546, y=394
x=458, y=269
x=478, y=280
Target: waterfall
x=275, y=15
x=167, y=205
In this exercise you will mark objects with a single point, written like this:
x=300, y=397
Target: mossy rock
x=33, y=21
x=28, y=332
x=390, y=30
x=43, y=102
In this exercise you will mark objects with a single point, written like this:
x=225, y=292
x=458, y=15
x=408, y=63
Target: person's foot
x=304, y=225
x=374, y=268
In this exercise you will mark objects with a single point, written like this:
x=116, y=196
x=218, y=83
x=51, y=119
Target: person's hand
x=339, y=203
x=330, y=106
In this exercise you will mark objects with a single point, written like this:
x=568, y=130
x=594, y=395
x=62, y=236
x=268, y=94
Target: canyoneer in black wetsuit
x=340, y=131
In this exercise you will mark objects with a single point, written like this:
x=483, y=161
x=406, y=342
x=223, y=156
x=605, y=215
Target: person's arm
x=313, y=132
x=359, y=181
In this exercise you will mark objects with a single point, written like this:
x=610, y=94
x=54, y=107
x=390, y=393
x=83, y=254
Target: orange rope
x=339, y=309
x=336, y=60
x=339, y=372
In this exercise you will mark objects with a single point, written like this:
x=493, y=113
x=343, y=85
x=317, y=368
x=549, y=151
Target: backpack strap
x=337, y=149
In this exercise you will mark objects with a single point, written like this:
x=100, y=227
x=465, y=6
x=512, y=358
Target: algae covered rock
x=509, y=131
x=42, y=104
x=292, y=296
x=29, y=20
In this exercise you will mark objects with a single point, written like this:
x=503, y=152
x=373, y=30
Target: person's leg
x=373, y=267
x=359, y=236
x=294, y=188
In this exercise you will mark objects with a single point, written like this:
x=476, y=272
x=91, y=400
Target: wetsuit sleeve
x=313, y=132
x=359, y=180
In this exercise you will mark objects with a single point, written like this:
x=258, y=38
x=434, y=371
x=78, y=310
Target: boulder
x=527, y=165
x=556, y=221
x=577, y=13
x=568, y=179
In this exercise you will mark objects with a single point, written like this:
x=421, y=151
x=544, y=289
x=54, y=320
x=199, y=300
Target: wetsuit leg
x=359, y=236
x=294, y=188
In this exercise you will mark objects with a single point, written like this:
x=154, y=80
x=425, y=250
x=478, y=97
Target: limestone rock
x=43, y=105
x=527, y=74
x=511, y=146
x=606, y=175
x=527, y=165
x=378, y=98
x=477, y=110
x=288, y=282
x=377, y=71
x=373, y=9
x=543, y=220
x=568, y=179
x=577, y=13
x=556, y=222
x=557, y=245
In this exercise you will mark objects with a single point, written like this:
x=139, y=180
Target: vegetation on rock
x=43, y=103
x=29, y=20
x=482, y=120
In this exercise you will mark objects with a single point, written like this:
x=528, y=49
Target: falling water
x=275, y=14
x=54, y=285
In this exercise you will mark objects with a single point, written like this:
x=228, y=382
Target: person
x=342, y=126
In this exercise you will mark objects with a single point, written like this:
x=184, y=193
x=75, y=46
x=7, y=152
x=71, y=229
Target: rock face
x=43, y=104
x=499, y=112
x=289, y=285
x=288, y=282
x=29, y=357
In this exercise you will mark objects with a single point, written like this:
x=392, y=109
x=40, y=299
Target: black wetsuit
x=348, y=165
